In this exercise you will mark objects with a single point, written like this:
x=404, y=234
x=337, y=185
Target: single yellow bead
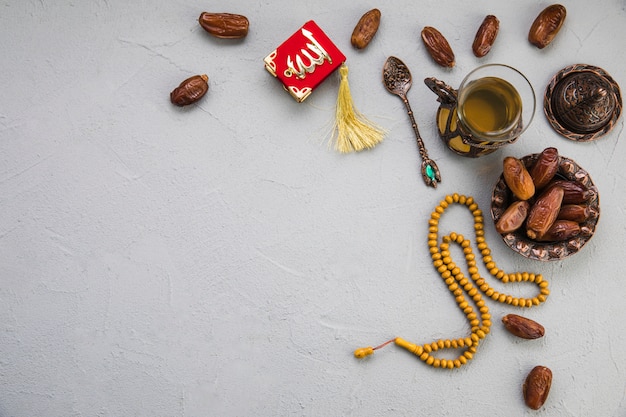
x=545, y=291
x=467, y=251
x=430, y=360
x=462, y=359
x=541, y=298
x=454, y=344
x=543, y=284
x=453, y=287
x=462, y=199
x=509, y=299
x=502, y=298
x=419, y=350
x=480, y=334
x=455, y=197
x=434, y=346
x=471, y=263
x=481, y=304
x=449, y=199
x=433, y=250
x=436, y=256
x=449, y=280
x=444, y=363
x=439, y=209
x=450, y=364
x=477, y=212
x=485, y=252
x=515, y=302
x=441, y=344
x=437, y=363
x=472, y=292
x=474, y=324
x=438, y=263
x=427, y=348
x=525, y=276
x=424, y=356
x=433, y=236
x=442, y=269
x=479, y=239
x=499, y=274
x=484, y=287
x=482, y=246
x=535, y=301
x=467, y=310
x=433, y=229
x=478, y=226
x=487, y=258
x=447, y=343
x=470, y=257
x=473, y=207
x=469, y=200
x=435, y=215
x=490, y=265
x=433, y=222
x=363, y=352
x=522, y=302
x=479, y=219
x=480, y=234
x=505, y=278
x=474, y=338
x=487, y=323
x=472, y=270
x=468, y=355
x=432, y=243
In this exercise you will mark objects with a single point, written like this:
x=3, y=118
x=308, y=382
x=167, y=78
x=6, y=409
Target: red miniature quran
x=304, y=60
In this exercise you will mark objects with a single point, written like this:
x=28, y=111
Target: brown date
x=574, y=212
x=574, y=192
x=518, y=178
x=224, y=25
x=560, y=230
x=365, y=29
x=523, y=327
x=545, y=167
x=513, y=217
x=485, y=36
x=547, y=25
x=537, y=387
x=438, y=47
x=543, y=213
x=190, y=90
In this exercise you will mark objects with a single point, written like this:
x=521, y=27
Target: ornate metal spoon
x=398, y=81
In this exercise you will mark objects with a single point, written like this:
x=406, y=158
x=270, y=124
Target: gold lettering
x=316, y=56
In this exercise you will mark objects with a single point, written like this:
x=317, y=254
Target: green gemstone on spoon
x=430, y=172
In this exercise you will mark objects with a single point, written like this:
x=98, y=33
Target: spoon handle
x=430, y=171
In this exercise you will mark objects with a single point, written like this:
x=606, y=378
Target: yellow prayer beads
x=460, y=286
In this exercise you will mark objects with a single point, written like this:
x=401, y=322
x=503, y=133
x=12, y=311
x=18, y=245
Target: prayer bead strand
x=460, y=287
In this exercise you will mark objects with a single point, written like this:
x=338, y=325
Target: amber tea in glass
x=495, y=103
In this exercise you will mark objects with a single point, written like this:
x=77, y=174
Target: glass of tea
x=496, y=103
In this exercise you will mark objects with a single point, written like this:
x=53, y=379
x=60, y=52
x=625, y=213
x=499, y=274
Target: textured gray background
x=221, y=260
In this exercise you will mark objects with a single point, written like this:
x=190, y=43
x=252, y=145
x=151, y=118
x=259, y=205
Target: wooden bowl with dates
x=567, y=232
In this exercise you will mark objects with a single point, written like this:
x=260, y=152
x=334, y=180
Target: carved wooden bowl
x=502, y=197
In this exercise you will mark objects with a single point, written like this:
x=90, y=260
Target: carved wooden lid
x=582, y=102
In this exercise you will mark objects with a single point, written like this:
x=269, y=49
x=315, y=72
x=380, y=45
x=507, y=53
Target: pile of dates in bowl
x=545, y=206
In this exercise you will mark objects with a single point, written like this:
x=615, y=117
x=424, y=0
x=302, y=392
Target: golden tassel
x=353, y=131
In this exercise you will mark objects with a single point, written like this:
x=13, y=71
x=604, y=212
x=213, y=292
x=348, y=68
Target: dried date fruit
x=523, y=327
x=545, y=168
x=560, y=230
x=513, y=217
x=485, y=36
x=547, y=25
x=574, y=212
x=365, y=29
x=574, y=192
x=537, y=387
x=224, y=25
x=543, y=213
x=518, y=178
x=438, y=47
x=190, y=90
